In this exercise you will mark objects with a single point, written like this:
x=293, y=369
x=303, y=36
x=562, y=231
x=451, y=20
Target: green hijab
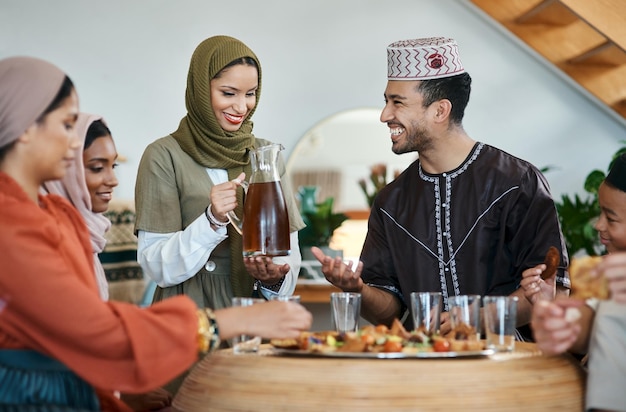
x=202, y=138
x=199, y=133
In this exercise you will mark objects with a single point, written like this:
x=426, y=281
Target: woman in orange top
x=60, y=344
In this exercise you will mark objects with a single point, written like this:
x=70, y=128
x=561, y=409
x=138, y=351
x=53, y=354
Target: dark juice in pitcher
x=266, y=221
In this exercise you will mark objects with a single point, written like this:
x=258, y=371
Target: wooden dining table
x=521, y=380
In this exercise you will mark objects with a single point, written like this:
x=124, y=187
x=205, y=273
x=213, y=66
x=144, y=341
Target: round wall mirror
x=339, y=151
x=334, y=155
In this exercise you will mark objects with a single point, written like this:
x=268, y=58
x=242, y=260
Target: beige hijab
x=27, y=87
x=74, y=188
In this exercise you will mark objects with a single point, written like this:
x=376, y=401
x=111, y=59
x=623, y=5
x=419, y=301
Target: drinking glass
x=286, y=298
x=426, y=310
x=246, y=343
x=465, y=310
x=345, y=311
x=500, y=313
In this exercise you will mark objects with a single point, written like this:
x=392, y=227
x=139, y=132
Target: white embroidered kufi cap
x=423, y=59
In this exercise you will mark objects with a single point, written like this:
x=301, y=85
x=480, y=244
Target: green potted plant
x=320, y=222
x=577, y=214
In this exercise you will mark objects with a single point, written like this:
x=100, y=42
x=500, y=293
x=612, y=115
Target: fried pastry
x=553, y=257
x=285, y=343
x=461, y=345
x=584, y=285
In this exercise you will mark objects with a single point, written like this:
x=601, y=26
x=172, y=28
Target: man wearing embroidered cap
x=600, y=327
x=465, y=218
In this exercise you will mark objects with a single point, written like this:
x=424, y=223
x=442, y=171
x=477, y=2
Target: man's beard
x=417, y=140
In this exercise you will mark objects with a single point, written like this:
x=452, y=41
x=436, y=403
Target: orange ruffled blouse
x=49, y=302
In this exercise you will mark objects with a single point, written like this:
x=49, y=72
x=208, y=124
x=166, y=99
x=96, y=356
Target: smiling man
x=465, y=218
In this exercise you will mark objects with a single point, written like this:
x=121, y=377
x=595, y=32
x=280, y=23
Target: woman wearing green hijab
x=186, y=186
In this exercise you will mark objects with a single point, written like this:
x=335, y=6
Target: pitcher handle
x=232, y=217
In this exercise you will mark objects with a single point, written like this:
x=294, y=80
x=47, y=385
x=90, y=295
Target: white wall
x=129, y=61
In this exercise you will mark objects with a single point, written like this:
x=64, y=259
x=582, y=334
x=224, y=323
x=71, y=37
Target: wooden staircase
x=584, y=39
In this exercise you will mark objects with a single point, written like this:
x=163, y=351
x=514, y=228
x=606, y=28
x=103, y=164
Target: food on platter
x=457, y=345
x=462, y=338
x=286, y=343
x=552, y=259
x=381, y=339
x=584, y=284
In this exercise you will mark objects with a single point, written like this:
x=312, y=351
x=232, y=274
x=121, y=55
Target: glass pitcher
x=265, y=222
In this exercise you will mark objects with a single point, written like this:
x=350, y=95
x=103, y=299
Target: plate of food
x=381, y=342
x=385, y=355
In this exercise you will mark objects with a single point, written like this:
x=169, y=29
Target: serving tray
x=384, y=355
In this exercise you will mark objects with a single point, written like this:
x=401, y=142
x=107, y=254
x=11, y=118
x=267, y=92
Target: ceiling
x=584, y=40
